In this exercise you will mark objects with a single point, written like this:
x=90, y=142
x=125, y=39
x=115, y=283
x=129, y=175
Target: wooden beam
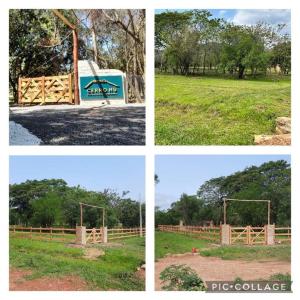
x=64, y=19
x=75, y=52
x=75, y=63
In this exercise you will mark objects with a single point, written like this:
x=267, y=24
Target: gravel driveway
x=83, y=125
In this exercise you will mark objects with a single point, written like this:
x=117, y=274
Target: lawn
x=113, y=271
x=174, y=243
x=258, y=253
x=217, y=111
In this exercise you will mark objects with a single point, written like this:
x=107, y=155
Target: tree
x=51, y=202
x=269, y=181
x=196, y=42
x=39, y=44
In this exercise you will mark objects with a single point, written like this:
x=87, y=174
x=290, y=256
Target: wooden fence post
x=43, y=89
x=20, y=90
x=70, y=89
x=104, y=235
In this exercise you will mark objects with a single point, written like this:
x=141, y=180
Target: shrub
x=181, y=278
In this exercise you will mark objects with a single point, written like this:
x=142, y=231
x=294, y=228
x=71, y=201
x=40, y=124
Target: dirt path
x=18, y=282
x=214, y=268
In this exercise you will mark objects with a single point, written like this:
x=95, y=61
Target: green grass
x=113, y=271
x=216, y=111
x=260, y=253
x=174, y=243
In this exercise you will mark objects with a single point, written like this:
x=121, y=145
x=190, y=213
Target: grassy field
x=278, y=252
x=173, y=243
x=166, y=242
x=216, y=111
x=113, y=271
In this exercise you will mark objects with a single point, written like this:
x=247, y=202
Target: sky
x=186, y=173
x=251, y=16
x=95, y=173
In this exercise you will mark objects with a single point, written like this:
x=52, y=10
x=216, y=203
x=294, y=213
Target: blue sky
x=185, y=173
x=250, y=16
x=96, y=173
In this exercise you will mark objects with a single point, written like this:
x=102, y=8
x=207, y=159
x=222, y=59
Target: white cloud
x=270, y=16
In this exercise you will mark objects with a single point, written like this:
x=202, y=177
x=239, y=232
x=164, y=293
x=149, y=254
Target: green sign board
x=102, y=87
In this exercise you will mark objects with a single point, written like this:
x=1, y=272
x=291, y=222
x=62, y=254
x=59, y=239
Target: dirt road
x=216, y=269
x=19, y=282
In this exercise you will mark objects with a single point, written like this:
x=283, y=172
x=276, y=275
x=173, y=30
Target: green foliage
x=41, y=44
x=31, y=34
x=271, y=180
x=215, y=111
x=195, y=42
x=181, y=278
x=47, y=211
x=283, y=278
x=113, y=271
x=171, y=243
x=51, y=202
x=260, y=253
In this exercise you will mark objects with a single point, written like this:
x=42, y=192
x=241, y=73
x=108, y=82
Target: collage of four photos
x=77, y=78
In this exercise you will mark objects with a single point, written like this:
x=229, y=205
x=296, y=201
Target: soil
x=19, y=282
x=216, y=269
x=93, y=253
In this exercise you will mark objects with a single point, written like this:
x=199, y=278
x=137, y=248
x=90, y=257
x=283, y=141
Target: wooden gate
x=248, y=235
x=94, y=236
x=45, y=90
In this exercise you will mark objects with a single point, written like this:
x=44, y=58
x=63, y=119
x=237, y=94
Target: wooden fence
x=120, y=233
x=248, y=235
x=45, y=234
x=243, y=235
x=283, y=235
x=209, y=233
x=45, y=90
x=93, y=235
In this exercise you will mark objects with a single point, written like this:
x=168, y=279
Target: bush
x=181, y=278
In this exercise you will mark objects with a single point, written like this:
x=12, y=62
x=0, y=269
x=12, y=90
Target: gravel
x=83, y=125
x=18, y=135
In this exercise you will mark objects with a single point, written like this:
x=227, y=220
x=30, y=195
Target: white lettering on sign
x=100, y=91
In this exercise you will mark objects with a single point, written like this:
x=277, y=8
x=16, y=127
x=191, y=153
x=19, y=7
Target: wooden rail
x=246, y=235
x=120, y=233
x=45, y=90
x=283, y=235
x=210, y=233
x=45, y=234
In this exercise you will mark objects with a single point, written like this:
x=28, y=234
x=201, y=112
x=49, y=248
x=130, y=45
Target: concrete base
x=81, y=235
x=270, y=234
x=104, y=235
x=225, y=234
x=102, y=102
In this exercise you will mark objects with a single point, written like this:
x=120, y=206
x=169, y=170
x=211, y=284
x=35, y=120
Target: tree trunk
x=95, y=49
x=241, y=72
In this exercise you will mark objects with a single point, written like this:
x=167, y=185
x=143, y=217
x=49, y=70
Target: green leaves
x=181, y=278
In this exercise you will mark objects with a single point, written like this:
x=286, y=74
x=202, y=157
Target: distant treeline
x=270, y=181
x=193, y=42
x=51, y=202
